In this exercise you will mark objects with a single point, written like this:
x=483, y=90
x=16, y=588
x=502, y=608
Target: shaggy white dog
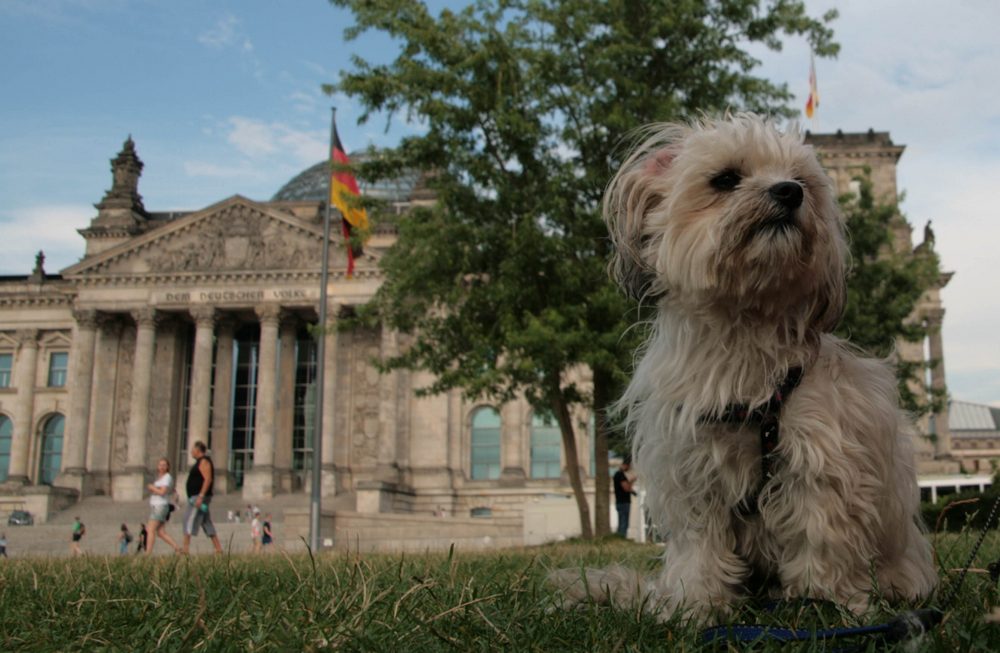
x=771, y=451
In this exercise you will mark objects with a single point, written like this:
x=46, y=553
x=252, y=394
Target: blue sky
x=224, y=97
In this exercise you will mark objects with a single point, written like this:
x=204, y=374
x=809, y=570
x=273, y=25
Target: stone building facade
x=176, y=327
x=184, y=326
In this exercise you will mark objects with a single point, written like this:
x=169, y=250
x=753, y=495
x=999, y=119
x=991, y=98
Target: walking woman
x=159, y=506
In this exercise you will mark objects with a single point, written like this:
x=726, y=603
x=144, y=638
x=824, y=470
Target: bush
x=968, y=509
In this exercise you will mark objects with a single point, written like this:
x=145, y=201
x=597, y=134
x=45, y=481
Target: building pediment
x=236, y=235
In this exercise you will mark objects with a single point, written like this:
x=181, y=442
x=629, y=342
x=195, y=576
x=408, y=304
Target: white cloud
x=50, y=228
x=924, y=72
x=258, y=139
x=305, y=102
x=216, y=171
x=225, y=33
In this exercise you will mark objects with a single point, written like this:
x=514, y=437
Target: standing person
x=267, y=537
x=623, y=495
x=200, y=479
x=141, y=547
x=79, y=530
x=255, y=531
x=159, y=506
x=124, y=539
x=3, y=544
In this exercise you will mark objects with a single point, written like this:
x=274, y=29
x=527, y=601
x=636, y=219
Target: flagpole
x=317, y=466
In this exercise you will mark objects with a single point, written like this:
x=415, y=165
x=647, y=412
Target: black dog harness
x=766, y=417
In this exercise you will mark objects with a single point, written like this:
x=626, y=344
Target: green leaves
x=526, y=103
x=503, y=284
x=885, y=283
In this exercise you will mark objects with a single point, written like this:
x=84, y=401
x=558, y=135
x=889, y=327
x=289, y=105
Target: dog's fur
x=748, y=285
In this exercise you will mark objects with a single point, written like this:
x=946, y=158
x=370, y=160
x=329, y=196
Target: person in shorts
x=255, y=531
x=268, y=538
x=159, y=507
x=200, y=479
x=78, y=532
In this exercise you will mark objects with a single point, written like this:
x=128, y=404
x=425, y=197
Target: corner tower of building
x=120, y=214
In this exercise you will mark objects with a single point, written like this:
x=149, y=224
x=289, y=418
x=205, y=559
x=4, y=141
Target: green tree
x=526, y=104
x=885, y=282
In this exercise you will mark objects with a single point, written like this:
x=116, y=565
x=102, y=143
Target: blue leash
x=901, y=627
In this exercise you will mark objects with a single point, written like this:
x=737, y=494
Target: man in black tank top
x=200, y=480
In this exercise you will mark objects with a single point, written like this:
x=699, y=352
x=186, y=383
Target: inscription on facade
x=240, y=296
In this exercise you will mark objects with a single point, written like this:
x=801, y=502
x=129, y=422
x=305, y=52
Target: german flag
x=813, y=102
x=344, y=195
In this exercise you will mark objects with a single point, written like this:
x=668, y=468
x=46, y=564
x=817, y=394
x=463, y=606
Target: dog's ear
x=832, y=299
x=629, y=197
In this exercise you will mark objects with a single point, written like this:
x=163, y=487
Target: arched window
x=546, y=445
x=6, y=436
x=52, y=440
x=485, y=444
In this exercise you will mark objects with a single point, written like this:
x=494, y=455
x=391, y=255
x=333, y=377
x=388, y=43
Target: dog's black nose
x=787, y=193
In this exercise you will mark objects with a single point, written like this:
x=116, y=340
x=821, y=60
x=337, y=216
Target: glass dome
x=312, y=184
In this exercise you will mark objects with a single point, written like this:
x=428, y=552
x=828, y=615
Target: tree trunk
x=602, y=472
x=561, y=411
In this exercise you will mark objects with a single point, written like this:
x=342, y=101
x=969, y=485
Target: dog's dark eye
x=726, y=180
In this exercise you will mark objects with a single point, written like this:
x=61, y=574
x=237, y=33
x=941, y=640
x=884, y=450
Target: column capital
x=204, y=315
x=332, y=310
x=269, y=313
x=934, y=317
x=86, y=318
x=290, y=322
x=146, y=316
x=110, y=323
x=225, y=324
x=27, y=337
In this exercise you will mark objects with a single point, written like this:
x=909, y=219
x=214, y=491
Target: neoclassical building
x=199, y=325
x=184, y=326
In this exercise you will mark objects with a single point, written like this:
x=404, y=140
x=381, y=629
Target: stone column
x=328, y=463
x=131, y=486
x=222, y=409
x=456, y=452
x=339, y=429
x=286, y=405
x=259, y=481
x=387, y=414
x=103, y=403
x=74, y=473
x=942, y=445
x=201, y=376
x=24, y=406
x=512, y=443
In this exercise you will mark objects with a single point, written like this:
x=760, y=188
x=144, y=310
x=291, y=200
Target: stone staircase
x=104, y=517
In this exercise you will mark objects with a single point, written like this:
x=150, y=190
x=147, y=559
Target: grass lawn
x=395, y=603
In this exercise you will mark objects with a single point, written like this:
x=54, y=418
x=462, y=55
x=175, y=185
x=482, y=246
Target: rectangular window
x=486, y=457
x=546, y=448
x=58, y=364
x=6, y=364
x=303, y=425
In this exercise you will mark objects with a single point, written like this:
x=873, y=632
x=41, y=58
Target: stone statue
x=928, y=234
